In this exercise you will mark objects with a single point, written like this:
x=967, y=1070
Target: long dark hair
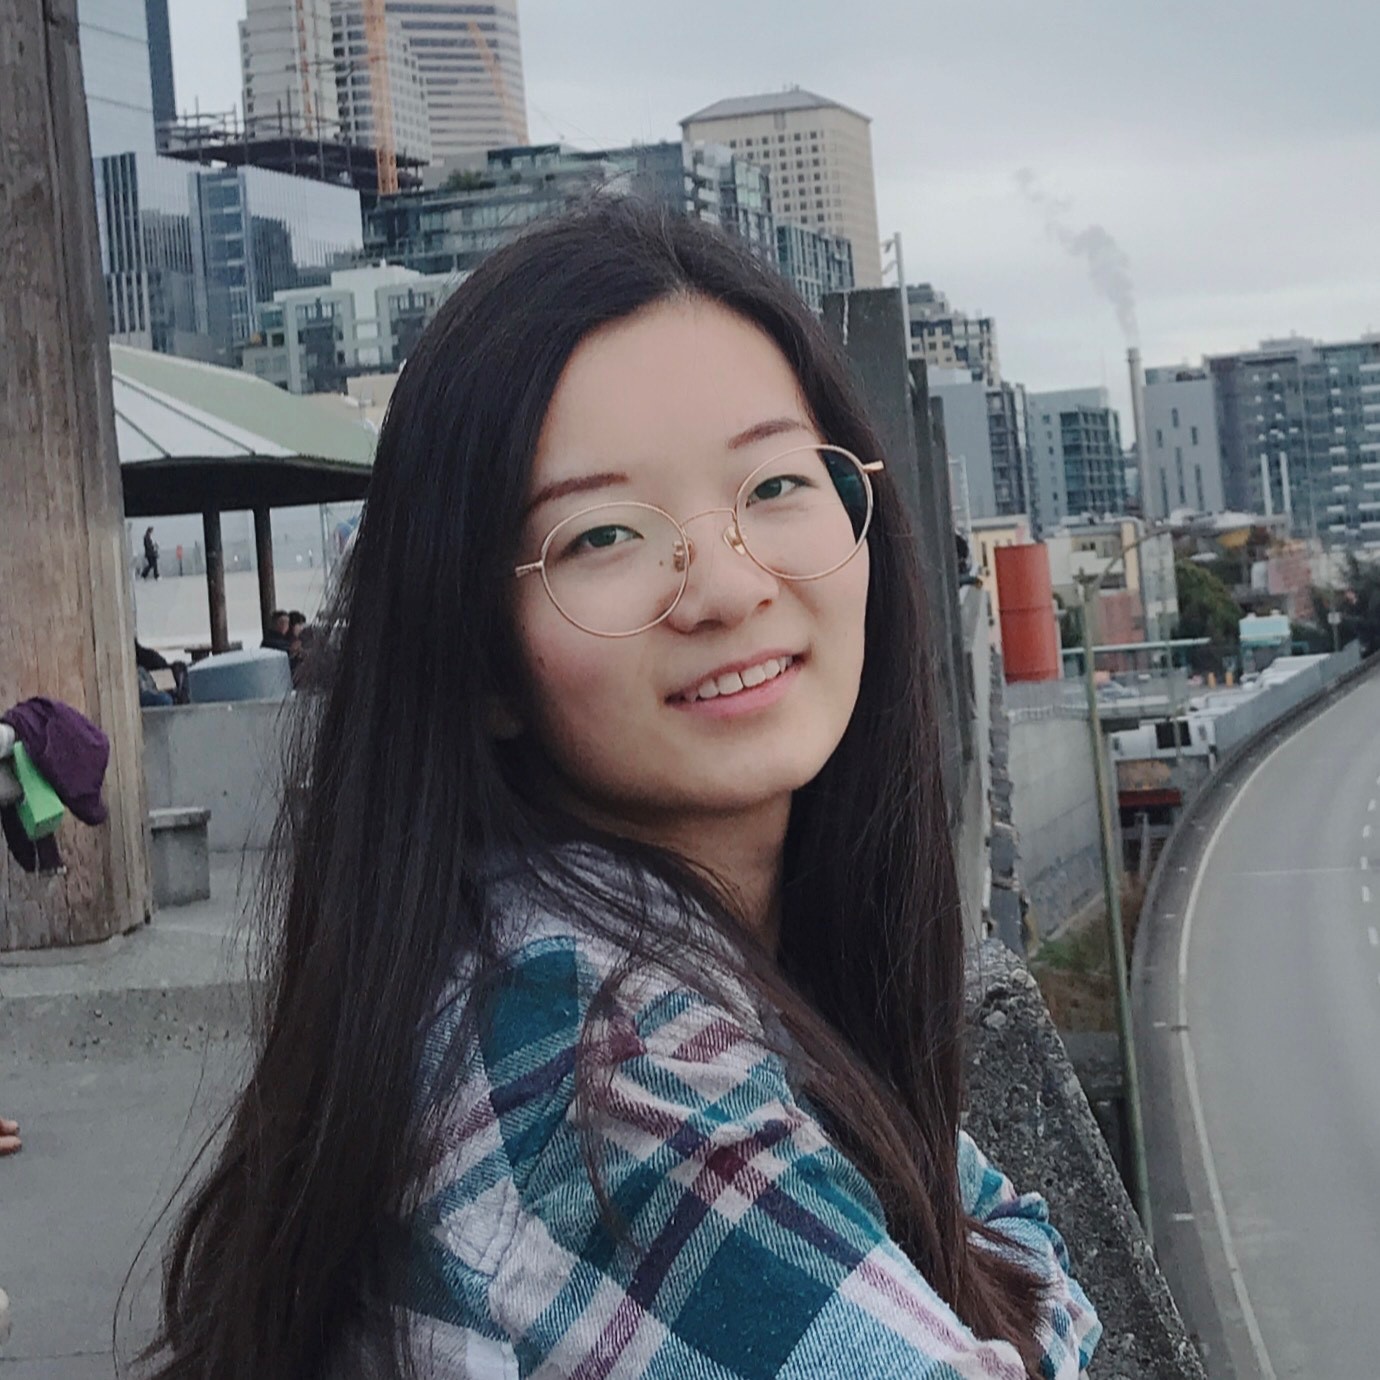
x=291, y=1249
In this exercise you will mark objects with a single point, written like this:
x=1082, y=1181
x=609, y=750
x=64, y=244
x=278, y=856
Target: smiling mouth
x=732, y=683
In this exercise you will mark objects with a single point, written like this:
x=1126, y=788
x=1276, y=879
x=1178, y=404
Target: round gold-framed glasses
x=618, y=569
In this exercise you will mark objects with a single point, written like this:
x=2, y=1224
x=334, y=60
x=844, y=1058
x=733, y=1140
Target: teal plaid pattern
x=752, y=1248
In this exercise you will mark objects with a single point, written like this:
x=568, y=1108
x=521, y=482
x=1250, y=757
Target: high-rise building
x=1298, y=427
x=407, y=98
x=114, y=40
x=1183, y=463
x=819, y=155
x=985, y=434
x=471, y=57
x=949, y=339
x=734, y=192
x=815, y=264
x=188, y=253
x=1077, y=466
x=287, y=68
x=160, y=62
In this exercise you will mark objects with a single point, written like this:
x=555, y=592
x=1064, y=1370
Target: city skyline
x=1160, y=128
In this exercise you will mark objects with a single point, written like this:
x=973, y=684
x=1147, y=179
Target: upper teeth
x=733, y=681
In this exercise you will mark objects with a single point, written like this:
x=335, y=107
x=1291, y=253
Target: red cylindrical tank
x=1029, y=628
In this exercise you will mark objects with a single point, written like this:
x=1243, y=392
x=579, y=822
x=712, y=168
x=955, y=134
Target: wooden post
x=215, y=580
x=66, y=618
x=263, y=558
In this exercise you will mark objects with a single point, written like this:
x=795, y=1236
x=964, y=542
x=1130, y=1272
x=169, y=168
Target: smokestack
x=1138, y=421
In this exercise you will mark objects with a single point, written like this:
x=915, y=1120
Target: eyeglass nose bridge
x=732, y=536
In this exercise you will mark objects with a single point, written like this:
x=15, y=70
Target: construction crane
x=516, y=122
x=381, y=96
x=304, y=65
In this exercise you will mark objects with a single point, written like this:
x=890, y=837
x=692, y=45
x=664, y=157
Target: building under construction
x=286, y=145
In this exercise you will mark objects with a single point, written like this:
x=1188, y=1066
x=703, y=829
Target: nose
x=724, y=586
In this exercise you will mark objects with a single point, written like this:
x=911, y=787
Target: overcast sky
x=1228, y=150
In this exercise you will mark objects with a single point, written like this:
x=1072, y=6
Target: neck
x=743, y=850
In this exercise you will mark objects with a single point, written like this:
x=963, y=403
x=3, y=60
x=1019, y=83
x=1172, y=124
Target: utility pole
x=66, y=624
x=1090, y=584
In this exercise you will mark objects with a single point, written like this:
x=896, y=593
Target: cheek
x=847, y=614
x=576, y=682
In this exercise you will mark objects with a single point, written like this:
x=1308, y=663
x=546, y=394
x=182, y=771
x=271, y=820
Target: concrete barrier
x=1244, y=723
x=1028, y=1113
x=223, y=757
x=179, y=859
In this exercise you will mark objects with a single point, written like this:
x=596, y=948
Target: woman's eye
x=601, y=539
x=778, y=486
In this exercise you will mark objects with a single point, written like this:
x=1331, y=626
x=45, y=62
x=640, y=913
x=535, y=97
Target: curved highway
x=1259, y=1017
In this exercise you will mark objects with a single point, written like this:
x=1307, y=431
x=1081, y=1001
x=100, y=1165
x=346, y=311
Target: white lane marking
x=1365, y=863
x=1184, y=1217
x=1371, y=806
x=1365, y=833
x=1374, y=938
x=1195, y=1100
x=1292, y=871
x=1365, y=894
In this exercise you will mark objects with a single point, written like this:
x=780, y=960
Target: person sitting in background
x=296, y=649
x=148, y=661
x=277, y=635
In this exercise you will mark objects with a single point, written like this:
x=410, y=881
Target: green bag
x=40, y=811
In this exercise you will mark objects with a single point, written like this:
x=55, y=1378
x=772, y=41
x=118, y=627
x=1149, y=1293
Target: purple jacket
x=68, y=749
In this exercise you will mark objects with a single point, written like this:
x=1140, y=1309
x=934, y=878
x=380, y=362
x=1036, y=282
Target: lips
x=735, y=679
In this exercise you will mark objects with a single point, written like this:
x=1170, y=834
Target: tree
x=1206, y=609
x=1070, y=624
x=467, y=181
x=1359, y=605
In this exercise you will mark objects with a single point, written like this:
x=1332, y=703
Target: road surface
x=1268, y=952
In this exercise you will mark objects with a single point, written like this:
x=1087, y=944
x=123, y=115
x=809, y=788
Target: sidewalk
x=116, y=1060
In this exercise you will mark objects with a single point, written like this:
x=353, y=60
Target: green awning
x=195, y=436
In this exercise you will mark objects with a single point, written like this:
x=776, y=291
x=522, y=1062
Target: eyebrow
x=588, y=483
x=579, y=484
x=761, y=430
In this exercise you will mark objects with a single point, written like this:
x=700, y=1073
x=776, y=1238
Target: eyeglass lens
x=620, y=567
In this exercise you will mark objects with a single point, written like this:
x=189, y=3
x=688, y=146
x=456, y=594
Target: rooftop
x=794, y=98
x=194, y=436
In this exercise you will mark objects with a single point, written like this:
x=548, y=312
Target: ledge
x=1028, y=1112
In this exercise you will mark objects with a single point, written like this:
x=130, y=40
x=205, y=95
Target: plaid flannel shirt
x=762, y=1250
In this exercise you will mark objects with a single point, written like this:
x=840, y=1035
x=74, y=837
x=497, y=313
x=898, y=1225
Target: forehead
x=676, y=377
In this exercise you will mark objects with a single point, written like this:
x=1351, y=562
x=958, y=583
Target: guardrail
x=1150, y=696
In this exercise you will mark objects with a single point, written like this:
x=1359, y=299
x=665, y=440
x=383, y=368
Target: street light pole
x=1089, y=585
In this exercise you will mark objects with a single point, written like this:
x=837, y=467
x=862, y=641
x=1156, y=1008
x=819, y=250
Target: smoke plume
x=1107, y=263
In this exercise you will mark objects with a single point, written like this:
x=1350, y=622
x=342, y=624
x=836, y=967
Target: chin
x=748, y=782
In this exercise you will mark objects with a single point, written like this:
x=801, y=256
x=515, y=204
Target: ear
x=500, y=721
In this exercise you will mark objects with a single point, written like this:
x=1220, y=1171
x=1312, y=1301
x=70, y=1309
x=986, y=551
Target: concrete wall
x=1054, y=809
x=226, y=757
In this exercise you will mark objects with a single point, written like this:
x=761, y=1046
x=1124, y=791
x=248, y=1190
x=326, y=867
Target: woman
x=614, y=981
